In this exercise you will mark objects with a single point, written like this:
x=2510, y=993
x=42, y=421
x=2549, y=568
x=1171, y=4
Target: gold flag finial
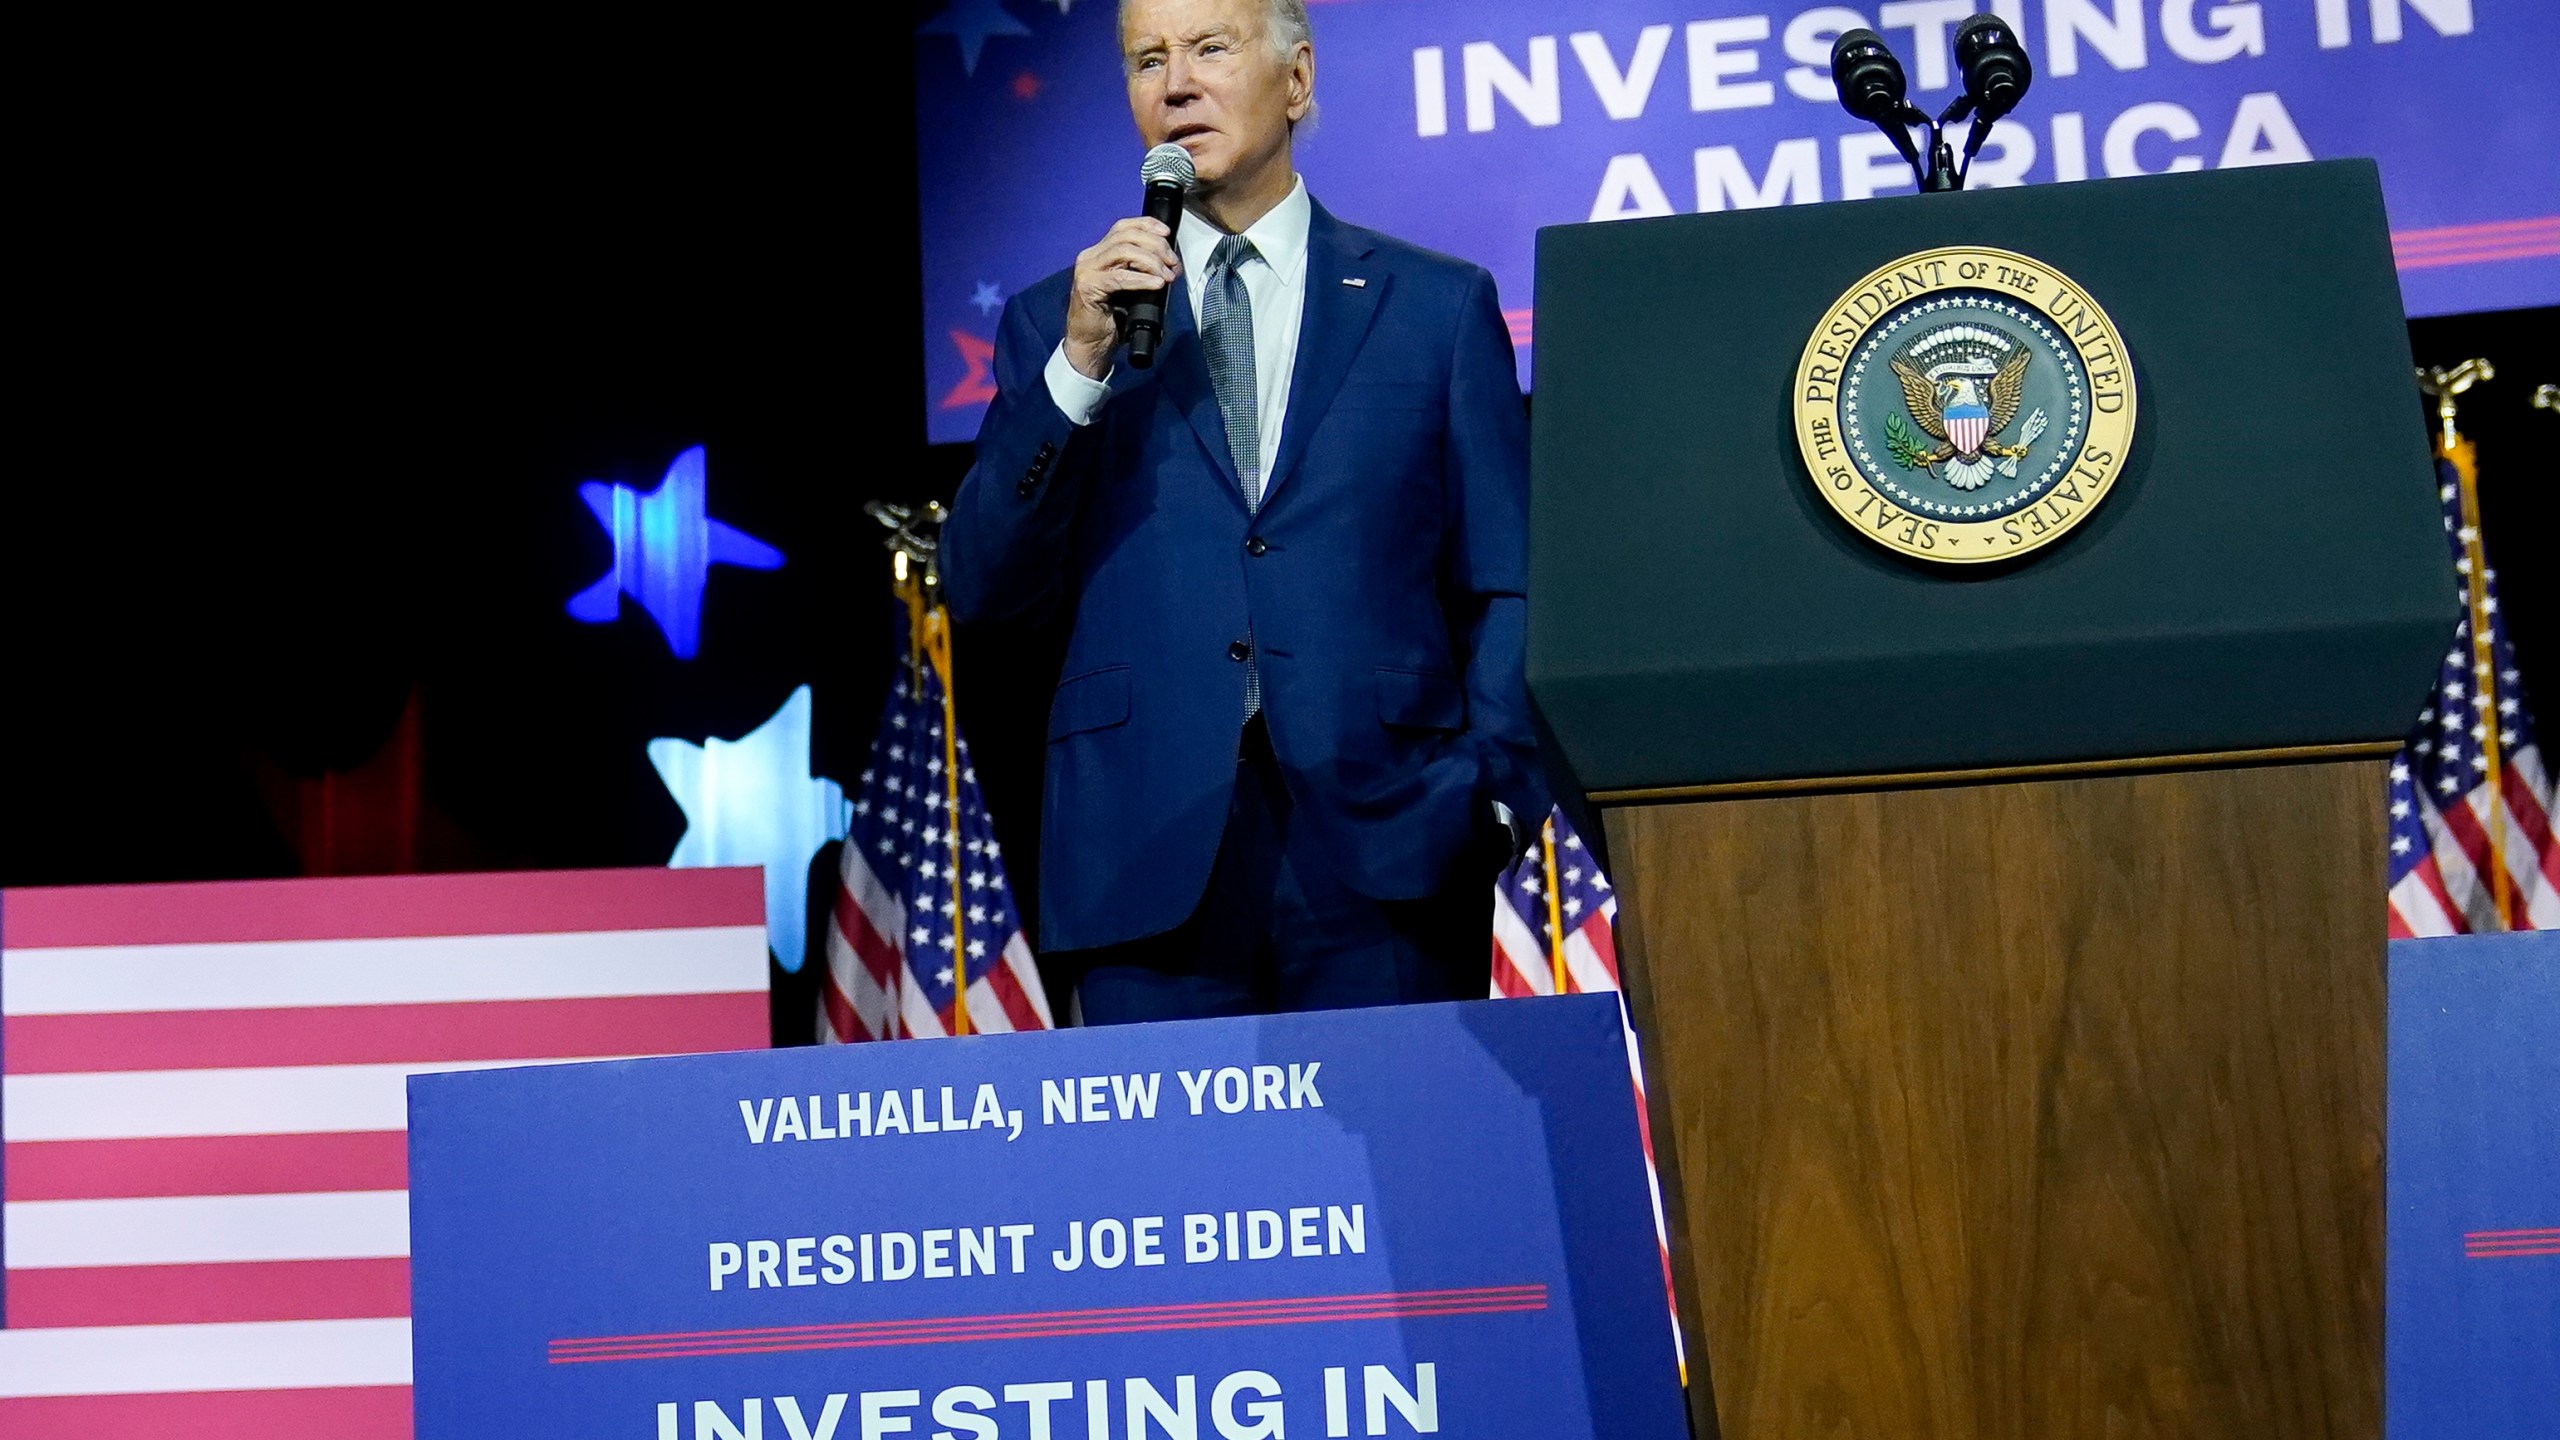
x=915, y=538
x=915, y=571
x=2443, y=385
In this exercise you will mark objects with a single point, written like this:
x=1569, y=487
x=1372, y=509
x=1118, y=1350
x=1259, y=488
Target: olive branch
x=1901, y=444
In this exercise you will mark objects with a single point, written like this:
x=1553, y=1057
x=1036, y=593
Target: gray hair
x=1287, y=22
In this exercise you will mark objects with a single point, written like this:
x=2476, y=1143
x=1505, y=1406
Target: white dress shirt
x=1276, y=284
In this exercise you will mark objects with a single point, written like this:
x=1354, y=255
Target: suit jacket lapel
x=1330, y=333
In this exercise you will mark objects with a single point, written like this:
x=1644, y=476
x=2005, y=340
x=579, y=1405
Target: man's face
x=1205, y=75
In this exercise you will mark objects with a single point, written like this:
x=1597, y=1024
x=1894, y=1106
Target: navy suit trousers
x=1279, y=930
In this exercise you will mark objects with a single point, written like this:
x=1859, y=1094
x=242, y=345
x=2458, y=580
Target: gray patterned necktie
x=1226, y=332
x=1226, y=329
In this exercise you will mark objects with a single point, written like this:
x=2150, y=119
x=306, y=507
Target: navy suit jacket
x=1382, y=585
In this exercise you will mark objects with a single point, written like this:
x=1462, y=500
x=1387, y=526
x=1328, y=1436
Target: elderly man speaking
x=1292, y=554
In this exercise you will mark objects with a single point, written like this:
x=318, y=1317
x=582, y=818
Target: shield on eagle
x=1968, y=425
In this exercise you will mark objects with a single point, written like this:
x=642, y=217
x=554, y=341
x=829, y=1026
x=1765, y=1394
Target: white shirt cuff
x=1079, y=396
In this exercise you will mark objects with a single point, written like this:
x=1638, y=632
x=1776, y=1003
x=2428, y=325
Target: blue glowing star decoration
x=663, y=549
x=752, y=801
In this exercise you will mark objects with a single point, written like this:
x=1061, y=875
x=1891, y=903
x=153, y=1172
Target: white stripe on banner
x=175, y=1359
x=208, y=1229
x=271, y=1100
x=266, y=975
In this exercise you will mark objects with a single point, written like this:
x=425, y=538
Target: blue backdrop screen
x=1465, y=125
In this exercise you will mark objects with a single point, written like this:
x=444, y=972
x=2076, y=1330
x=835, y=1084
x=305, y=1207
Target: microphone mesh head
x=1167, y=164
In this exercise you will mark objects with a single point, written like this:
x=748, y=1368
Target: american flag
x=203, y=1098
x=1554, y=911
x=921, y=907
x=2469, y=794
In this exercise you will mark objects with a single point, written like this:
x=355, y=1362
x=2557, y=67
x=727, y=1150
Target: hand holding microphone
x=1121, y=281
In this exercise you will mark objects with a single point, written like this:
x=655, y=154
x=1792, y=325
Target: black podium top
x=2267, y=573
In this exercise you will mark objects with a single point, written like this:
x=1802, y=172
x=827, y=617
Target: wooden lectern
x=2008, y=940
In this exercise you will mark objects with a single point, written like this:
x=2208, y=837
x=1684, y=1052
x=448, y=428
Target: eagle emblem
x=1963, y=385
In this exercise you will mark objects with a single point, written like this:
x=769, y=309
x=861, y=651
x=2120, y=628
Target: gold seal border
x=2023, y=278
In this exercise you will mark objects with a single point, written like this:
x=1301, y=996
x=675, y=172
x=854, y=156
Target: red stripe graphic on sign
x=209, y=1294
x=1129, y=1320
x=382, y=1034
x=2510, y=1244
x=2475, y=244
x=376, y=1412
x=208, y=1165
x=382, y=907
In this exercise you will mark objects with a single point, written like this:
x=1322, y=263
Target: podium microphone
x=1168, y=175
x=1871, y=87
x=1996, y=75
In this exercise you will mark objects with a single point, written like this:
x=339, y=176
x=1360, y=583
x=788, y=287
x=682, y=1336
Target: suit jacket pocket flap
x=1094, y=700
x=1423, y=701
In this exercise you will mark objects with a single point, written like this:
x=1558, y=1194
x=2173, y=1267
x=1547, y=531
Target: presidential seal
x=1965, y=405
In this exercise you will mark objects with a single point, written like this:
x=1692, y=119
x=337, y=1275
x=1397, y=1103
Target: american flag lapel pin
x=1355, y=282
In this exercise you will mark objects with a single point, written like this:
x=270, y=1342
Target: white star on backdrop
x=752, y=801
x=971, y=23
x=987, y=298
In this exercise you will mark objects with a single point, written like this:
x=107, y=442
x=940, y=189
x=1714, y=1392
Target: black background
x=314, y=334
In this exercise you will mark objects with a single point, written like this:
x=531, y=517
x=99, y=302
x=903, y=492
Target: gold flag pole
x=2445, y=386
x=915, y=545
x=1555, y=904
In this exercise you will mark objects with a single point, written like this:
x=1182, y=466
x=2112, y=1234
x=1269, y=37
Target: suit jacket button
x=1241, y=650
x=1256, y=546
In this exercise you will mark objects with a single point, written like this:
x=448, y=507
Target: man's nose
x=1178, y=86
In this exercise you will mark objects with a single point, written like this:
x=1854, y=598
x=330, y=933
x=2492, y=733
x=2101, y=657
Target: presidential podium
x=2008, y=937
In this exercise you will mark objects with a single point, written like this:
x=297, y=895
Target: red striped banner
x=204, y=1089
x=1126, y=1320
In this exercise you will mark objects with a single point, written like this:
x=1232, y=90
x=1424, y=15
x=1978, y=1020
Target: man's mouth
x=1180, y=133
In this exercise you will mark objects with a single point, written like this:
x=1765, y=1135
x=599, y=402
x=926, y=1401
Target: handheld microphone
x=1168, y=175
x=1872, y=87
x=1996, y=74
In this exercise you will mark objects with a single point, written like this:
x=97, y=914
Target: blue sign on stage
x=1420, y=1221
x=2473, y=1327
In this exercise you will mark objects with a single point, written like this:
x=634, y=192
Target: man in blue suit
x=1293, y=555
